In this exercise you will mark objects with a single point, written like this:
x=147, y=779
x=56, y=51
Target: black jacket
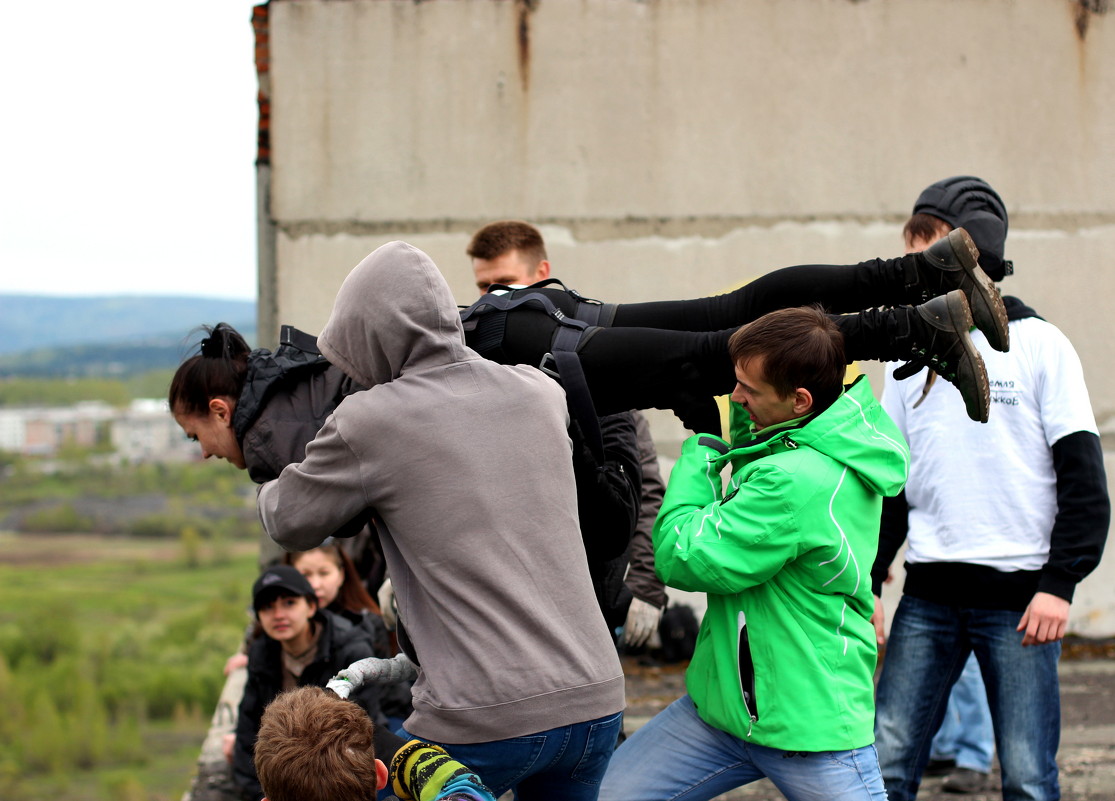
x=287, y=396
x=608, y=498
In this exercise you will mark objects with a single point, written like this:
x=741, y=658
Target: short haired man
x=465, y=466
x=780, y=684
x=508, y=252
x=313, y=746
x=995, y=575
x=513, y=253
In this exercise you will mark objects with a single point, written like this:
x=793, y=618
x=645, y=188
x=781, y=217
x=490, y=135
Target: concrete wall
x=673, y=149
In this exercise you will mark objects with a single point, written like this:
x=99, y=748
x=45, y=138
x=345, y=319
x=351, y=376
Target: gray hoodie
x=466, y=465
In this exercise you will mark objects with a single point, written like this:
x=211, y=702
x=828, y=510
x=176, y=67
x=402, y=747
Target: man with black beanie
x=991, y=572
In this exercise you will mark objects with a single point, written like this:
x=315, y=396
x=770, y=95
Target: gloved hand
x=422, y=772
x=642, y=621
x=372, y=671
x=386, y=599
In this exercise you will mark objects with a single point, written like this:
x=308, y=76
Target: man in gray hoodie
x=492, y=583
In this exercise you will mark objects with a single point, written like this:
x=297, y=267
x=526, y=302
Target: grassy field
x=111, y=651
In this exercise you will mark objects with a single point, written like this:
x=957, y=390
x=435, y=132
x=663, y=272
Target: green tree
x=45, y=744
x=88, y=724
x=190, y=540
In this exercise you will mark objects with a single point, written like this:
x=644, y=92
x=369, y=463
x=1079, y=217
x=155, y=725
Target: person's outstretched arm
x=316, y=498
x=706, y=542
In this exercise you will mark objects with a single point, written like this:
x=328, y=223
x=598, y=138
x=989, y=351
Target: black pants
x=664, y=353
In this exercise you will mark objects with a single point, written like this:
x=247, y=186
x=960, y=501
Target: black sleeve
x=1083, y=514
x=893, y=527
x=608, y=493
x=641, y=578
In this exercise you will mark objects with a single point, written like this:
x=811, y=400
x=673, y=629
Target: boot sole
x=961, y=316
x=988, y=311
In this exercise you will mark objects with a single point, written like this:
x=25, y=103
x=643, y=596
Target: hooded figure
x=493, y=586
x=967, y=202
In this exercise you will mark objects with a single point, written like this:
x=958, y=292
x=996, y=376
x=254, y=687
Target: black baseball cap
x=278, y=581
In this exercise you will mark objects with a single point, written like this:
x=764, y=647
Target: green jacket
x=786, y=651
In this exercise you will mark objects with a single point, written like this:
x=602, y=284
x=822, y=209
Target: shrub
x=45, y=741
x=190, y=540
x=44, y=634
x=63, y=519
x=88, y=725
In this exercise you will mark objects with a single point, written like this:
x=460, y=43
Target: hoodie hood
x=393, y=313
x=968, y=202
x=1017, y=310
x=853, y=431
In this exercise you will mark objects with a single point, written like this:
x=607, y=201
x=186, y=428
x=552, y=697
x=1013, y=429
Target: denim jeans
x=679, y=757
x=561, y=764
x=966, y=735
x=929, y=644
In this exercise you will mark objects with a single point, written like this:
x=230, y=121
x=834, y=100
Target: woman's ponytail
x=217, y=370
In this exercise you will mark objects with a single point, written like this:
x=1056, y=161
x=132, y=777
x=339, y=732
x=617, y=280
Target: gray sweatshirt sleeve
x=315, y=498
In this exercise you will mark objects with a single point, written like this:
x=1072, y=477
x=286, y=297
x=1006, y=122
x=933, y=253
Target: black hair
x=216, y=371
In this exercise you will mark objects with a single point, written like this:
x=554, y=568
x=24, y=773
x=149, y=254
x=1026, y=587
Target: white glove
x=372, y=671
x=386, y=599
x=642, y=621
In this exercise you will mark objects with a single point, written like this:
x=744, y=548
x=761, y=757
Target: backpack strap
x=562, y=362
x=300, y=340
x=589, y=310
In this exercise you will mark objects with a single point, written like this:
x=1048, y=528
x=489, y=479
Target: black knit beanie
x=965, y=201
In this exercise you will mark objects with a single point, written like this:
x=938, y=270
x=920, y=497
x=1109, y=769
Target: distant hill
x=45, y=336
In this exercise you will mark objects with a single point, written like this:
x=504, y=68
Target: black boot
x=933, y=335
x=939, y=340
x=952, y=262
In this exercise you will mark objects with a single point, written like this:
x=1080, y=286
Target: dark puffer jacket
x=286, y=397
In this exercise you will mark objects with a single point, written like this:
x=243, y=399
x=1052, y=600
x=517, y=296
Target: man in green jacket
x=781, y=681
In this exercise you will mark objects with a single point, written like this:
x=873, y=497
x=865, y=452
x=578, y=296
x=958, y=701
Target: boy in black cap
x=992, y=572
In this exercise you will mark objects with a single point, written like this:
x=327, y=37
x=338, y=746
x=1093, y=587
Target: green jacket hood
x=854, y=431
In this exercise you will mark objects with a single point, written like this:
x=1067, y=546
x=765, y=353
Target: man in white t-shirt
x=991, y=572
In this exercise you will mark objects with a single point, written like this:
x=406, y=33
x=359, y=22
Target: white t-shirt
x=986, y=494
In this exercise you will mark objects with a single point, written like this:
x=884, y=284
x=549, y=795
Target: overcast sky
x=127, y=148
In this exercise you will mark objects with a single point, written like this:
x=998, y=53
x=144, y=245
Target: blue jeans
x=966, y=735
x=679, y=757
x=562, y=764
x=929, y=644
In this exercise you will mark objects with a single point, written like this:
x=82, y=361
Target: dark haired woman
x=330, y=571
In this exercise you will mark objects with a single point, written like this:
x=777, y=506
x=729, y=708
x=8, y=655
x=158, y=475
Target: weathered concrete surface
x=678, y=149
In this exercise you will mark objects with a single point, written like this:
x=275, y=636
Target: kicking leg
x=933, y=335
x=950, y=263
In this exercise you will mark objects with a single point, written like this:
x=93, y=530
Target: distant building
x=143, y=432
x=146, y=432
